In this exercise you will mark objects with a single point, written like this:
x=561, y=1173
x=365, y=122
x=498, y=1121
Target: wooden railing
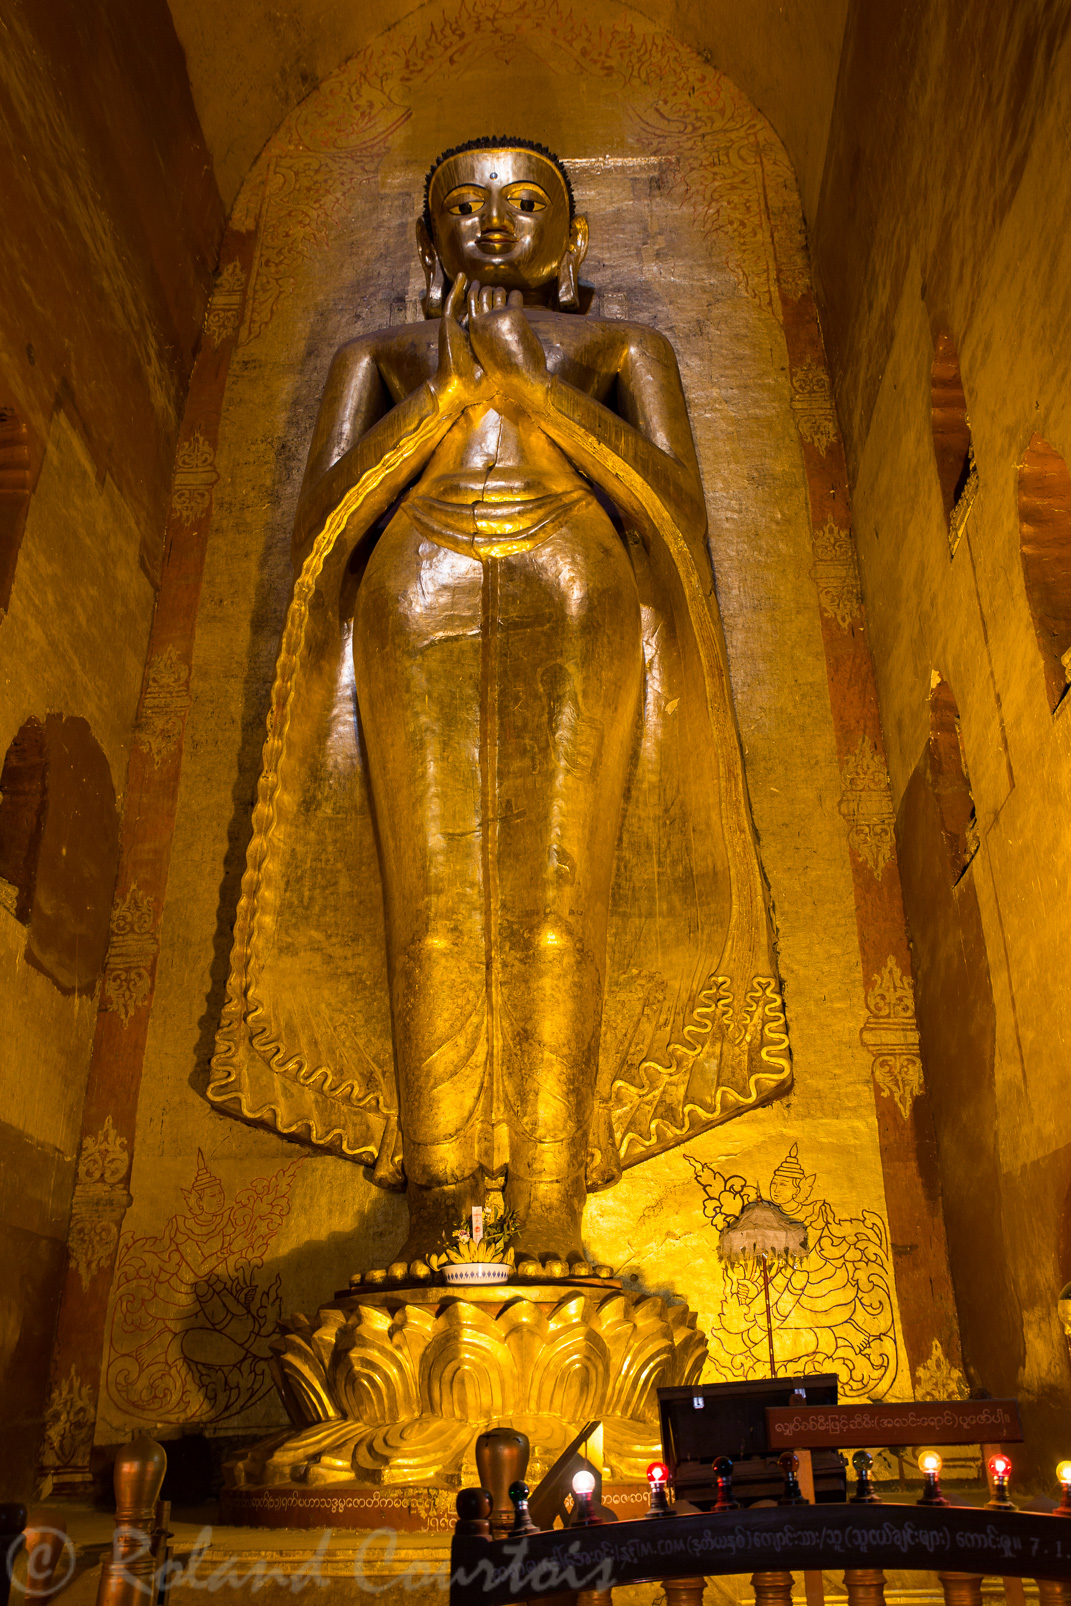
x=961, y=1544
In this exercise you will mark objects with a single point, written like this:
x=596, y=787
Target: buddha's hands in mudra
x=500, y=356
x=459, y=381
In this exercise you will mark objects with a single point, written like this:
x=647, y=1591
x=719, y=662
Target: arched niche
x=345, y=168
x=15, y=490
x=952, y=448
x=59, y=847
x=1045, y=550
x=695, y=230
x=950, y=781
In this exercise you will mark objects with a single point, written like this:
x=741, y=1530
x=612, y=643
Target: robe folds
x=692, y=1023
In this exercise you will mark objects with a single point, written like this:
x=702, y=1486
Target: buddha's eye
x=465, y=200
x=527, y=197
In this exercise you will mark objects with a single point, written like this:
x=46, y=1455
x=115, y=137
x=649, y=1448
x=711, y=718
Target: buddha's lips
x=496, y=237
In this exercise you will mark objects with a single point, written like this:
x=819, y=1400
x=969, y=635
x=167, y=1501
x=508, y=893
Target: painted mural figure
x=502, y=564
x=832, y=1310
x=191, y=1321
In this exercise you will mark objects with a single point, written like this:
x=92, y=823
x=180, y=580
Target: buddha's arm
x=648, y=449
x=645, y=456
x=364, y=451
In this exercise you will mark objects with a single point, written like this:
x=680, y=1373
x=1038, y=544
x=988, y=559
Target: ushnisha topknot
x=496, y=142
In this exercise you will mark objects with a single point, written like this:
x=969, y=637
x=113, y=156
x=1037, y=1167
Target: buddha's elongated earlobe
x=435, y=294
x=569, y=268
x=434, y=277
x=568, y=297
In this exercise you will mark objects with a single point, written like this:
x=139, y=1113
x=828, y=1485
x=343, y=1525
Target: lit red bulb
x=657, y=1473
x=1000, y=1466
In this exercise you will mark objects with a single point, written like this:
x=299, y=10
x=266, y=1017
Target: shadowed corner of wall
x=936, y=834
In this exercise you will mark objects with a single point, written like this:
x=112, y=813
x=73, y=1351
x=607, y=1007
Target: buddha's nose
x=497, y=217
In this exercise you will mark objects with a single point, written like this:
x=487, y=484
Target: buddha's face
x=500, y=216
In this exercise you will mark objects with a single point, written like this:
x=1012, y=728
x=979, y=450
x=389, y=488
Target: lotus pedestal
x=388, y=1390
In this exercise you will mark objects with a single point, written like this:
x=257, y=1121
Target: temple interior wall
x=944, y=211
x=930, y=155
x=112, y=225
x=320, y=248
x=248, y=71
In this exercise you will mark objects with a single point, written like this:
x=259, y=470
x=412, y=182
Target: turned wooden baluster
x=47, y=1546
x=684, y=1591
x=473, y=1514
x=1055, y=1591
x=129, y=1576
x=12, y=1523
x=772, y=1589
x=961, y=1589
x=865, y=1586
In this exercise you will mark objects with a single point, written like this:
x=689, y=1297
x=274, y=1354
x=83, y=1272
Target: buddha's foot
x=550, y=1215
x=546, y=1246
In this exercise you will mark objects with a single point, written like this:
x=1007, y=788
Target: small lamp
x=864, y=1494
x=1063, y=1475
x=522, y=1519
x=1000, y=1471
x=657, y=1478
x=723, y=1472
x=930, y=1464
x=792, y=1494
x=583, y=1489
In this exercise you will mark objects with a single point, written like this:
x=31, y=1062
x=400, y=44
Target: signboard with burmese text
x=814, y=1427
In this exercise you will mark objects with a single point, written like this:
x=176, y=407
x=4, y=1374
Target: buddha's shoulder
x=406, y=337
x=573, y=330
x=568, y=330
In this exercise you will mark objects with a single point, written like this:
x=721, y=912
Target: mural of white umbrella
x=763, y=1234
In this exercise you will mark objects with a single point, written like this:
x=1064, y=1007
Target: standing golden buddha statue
x=503, y=923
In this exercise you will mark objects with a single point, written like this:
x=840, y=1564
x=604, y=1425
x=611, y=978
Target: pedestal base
x=390, y=1388
x=349, y=1506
